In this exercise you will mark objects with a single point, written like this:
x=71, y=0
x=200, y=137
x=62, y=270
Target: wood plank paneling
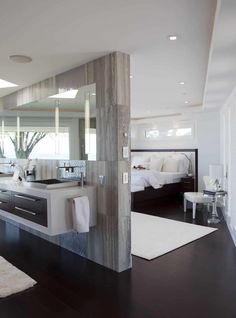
x=31, y=93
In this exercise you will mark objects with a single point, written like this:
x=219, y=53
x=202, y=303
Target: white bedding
x=155, y=179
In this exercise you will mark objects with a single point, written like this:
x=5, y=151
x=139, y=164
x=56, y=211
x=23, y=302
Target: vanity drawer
x=5, y=200
x=5, y=195
x=6, y=205
x=30, y=207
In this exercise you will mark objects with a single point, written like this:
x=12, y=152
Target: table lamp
x=216, y=172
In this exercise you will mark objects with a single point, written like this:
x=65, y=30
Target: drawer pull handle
x=26, y=198
x=24, y=210
x=3, y=191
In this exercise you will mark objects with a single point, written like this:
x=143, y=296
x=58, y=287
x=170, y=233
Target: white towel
x=81, y=214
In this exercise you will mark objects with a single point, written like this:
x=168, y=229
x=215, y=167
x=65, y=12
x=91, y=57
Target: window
x=152, y=134
x=44, y=146
x=185, y=130
x=90, y=144
x=170, y=132
x=180, y=132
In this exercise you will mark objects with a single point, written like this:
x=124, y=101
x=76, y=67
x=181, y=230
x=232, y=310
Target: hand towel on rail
x=81, y=214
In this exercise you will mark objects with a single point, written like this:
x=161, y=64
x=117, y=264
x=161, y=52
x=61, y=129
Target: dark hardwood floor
x=197, y=280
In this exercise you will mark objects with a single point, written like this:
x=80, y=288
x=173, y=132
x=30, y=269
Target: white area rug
x=13, y=280
x=152, y=236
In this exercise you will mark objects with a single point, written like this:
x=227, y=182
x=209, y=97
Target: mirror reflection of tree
x=2, y=153
x=27, y=142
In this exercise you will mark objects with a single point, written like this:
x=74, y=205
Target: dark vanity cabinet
x=5, y=200
x=25, y=206
x=30, y=207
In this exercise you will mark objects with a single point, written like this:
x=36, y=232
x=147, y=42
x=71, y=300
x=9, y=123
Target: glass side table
x=214, y=218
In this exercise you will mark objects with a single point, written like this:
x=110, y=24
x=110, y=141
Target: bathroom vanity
x=45, y=210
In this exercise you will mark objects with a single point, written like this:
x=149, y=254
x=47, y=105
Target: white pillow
x=183, y=163
x=156, y=163
x=170, y=165
x=140, y=161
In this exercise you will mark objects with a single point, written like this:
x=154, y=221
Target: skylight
x=4, y=84
x=68, y=94
x=173, y=37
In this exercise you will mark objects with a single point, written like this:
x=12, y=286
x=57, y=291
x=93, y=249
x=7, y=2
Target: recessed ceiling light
x=131, y=76
x=20, y=58
x=173, y=37
x=93, y=94
x=181, y=83
x=68, y=94
x=186, y=102
x=4, y=84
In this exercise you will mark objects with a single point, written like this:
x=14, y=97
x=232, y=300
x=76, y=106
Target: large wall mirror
x=62, y=126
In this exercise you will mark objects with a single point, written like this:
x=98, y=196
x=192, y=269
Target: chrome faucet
x=81, y=179
x=30, y=174
x=12, y=164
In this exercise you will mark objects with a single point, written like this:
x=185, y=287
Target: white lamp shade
x=216, y=171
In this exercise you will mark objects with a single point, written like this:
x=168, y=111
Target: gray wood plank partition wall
x=109, y=242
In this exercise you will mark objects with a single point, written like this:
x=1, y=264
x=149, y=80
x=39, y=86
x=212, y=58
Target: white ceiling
x=159, y=68
x=60, y=35
x=221, y=77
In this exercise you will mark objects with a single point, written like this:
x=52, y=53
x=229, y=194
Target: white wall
x=228, y=158
x=206, y=138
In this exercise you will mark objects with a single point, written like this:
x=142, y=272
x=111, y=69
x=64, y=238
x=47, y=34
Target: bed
x=159, y=173
x=140, y=179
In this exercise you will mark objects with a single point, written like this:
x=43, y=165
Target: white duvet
x=153, y=178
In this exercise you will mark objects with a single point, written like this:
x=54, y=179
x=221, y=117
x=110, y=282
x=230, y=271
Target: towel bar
x=71, y=199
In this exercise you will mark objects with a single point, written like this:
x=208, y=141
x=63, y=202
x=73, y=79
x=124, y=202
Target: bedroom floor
x=197, y=280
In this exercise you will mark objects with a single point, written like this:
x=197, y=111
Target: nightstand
x=187, y=184
x=214, y=217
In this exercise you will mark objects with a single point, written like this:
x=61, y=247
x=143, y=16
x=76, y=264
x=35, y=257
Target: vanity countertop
x=7, y=183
